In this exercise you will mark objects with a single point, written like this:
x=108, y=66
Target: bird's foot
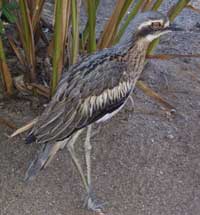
x=91, y=203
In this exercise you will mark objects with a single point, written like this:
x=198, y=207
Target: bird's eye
x=156, y=25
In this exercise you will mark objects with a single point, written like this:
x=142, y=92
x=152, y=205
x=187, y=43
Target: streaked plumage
x=94, y=89
x=85, y=95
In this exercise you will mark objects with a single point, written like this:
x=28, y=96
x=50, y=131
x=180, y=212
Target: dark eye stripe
x=145, y=31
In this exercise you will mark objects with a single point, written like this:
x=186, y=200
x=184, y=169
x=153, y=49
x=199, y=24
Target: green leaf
x=11, y=5
x=1, y=27
x=9, y=15
x=7, y=11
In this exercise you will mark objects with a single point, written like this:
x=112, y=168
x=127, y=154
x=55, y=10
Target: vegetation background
x=158, y=153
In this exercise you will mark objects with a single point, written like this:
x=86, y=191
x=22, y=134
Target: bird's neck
x=132, y=48
x=134, y=53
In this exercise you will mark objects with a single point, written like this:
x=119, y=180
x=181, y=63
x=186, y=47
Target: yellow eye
x=156, y=25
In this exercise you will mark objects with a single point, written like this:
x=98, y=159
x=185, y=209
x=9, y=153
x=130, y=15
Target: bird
x=92, y=91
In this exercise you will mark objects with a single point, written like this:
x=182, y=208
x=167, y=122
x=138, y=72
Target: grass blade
x=62, y=12
x=124, y=9
x=148, y=91
x=39, y=89
x=157, y=5
x=27, y=37
x=5, y=72
x=16, y=51
x=132, y=14
x=37, y=13
x=75, y=30
x=91, y=24
x=177, y=8
x=85, y=33
x=146, y=6
x=106, y=38
x=193, y=8
x=171, y=56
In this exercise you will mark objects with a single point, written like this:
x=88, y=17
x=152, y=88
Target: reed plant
x=5, y=74
x=67, y=42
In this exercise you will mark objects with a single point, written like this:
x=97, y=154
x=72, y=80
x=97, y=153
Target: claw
x=94, y=205
x=91, y=203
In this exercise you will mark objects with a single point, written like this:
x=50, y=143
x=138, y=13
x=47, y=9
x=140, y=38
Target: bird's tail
x=42, y=159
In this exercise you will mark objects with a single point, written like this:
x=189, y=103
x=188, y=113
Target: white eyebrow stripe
x=147, y=23
x=144, y=24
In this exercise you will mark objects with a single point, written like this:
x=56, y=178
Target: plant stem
x=86, y=30
x=92, y=24
x=157, y=5
x=129, y=18
x=62, y=11
x=57, y=48
x=27, y=37
x=177, y=8
x=5, y=72
x=37, y=13
x=75, y=31
x=109, y=32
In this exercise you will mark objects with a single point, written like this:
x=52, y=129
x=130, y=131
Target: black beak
x=174, y=27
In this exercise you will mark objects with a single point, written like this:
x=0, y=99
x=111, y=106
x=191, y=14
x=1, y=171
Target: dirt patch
x=144, y=162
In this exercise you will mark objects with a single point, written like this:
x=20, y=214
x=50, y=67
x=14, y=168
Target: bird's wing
x=84, y=95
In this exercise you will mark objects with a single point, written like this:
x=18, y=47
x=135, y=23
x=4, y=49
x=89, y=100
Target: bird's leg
x=88, y=148
x=63, y=143
x=90, y=202
x=132, y=101
x=75, y=159
x=97, y=131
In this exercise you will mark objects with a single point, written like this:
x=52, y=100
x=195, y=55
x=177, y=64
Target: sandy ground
x=144, y=161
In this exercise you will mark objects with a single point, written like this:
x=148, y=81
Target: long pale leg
x=75, y=159
x=132, y=101
x=91, y=201
x=88, y=149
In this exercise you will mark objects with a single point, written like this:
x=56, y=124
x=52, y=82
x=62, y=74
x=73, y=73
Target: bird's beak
x=173, y=27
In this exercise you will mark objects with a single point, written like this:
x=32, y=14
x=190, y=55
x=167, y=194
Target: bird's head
x=148, y=26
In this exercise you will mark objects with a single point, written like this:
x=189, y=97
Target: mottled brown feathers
x=98, y=85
